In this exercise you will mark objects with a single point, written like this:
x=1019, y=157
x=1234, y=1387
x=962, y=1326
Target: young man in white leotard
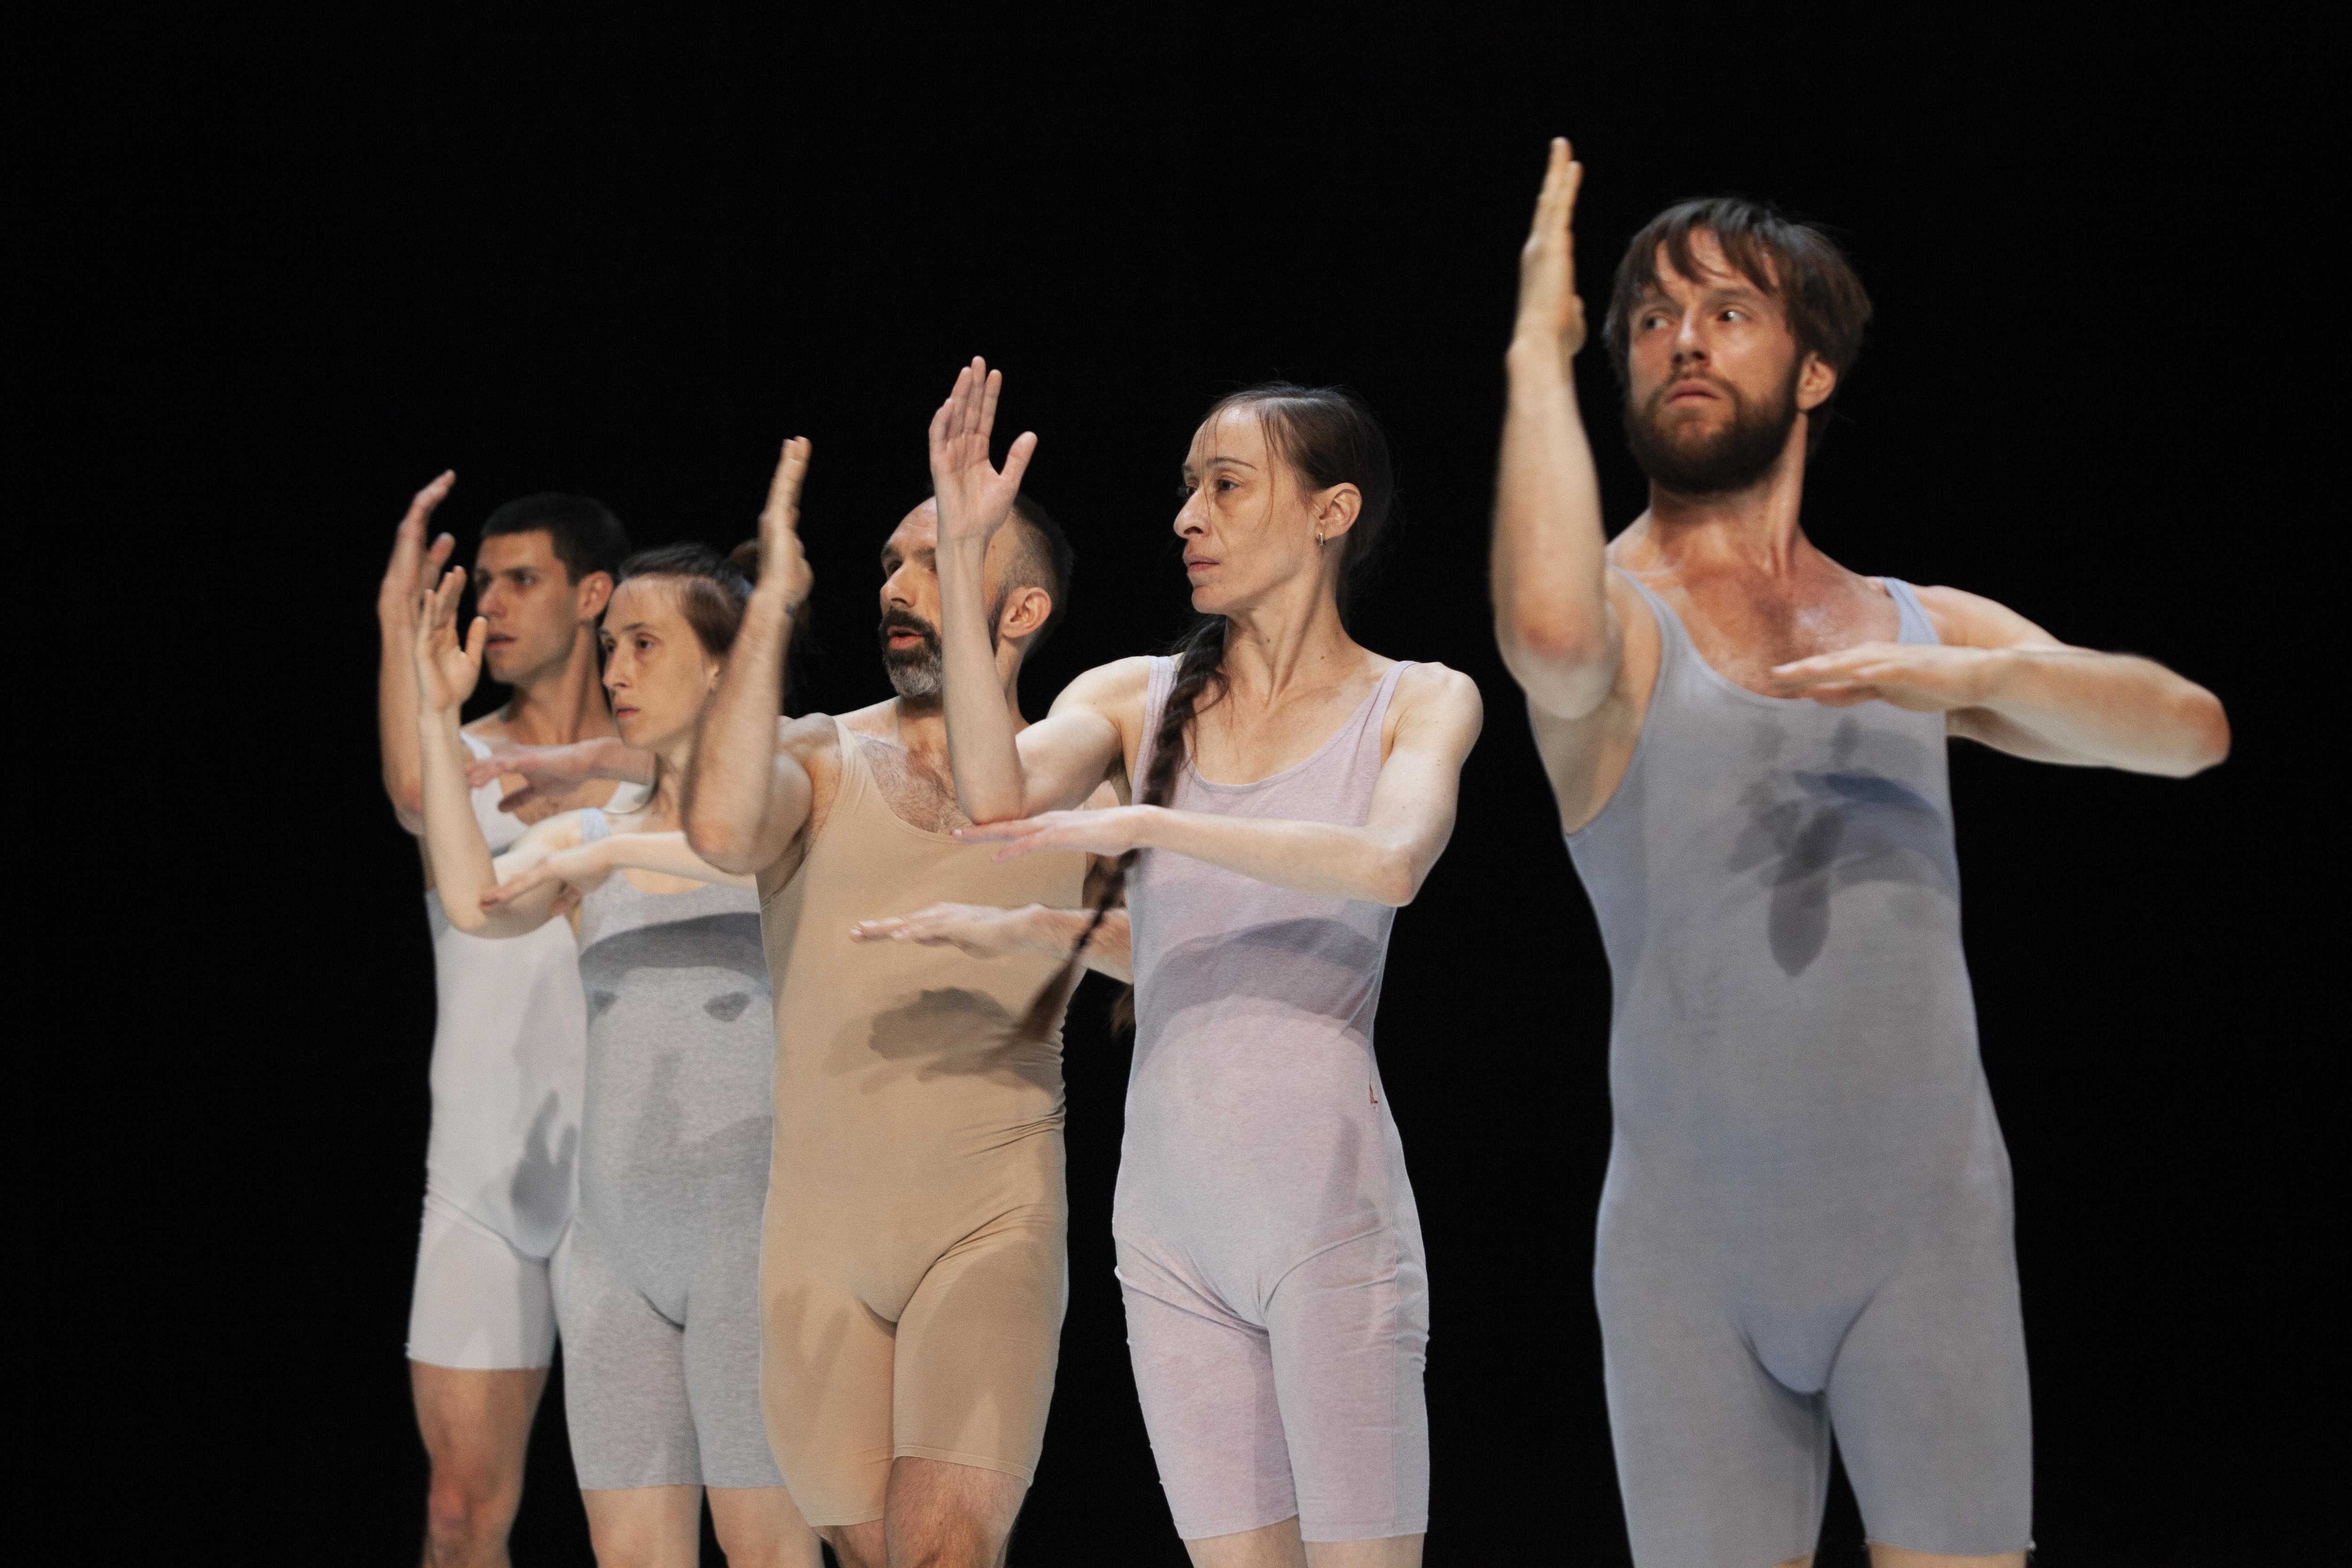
x=512, y=1036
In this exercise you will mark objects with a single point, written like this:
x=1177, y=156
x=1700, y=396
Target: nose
x=894, y=590
x=1689, y=347
x=1192, y=518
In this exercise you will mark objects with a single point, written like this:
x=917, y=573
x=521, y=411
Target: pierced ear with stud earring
x=1318, y=539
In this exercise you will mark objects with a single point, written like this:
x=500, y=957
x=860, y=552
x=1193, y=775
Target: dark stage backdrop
x=303, y=262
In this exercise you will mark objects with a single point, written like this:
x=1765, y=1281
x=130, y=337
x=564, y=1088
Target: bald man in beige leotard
x=913, y=1271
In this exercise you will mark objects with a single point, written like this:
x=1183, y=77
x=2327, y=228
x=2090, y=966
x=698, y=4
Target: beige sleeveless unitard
x=913, y=1272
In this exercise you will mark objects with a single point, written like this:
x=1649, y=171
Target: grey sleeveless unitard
x=1806, y=1224
x=1268, y=1248
x=661, y=1326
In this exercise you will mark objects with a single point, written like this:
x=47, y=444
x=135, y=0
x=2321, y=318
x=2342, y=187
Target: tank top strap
x=1373, y=718
x=1162, y=682
x=1674, y=645
x=595, y=824
x=1915, y=625
x=857, y=785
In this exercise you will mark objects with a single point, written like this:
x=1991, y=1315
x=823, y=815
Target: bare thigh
x=1278, y=1546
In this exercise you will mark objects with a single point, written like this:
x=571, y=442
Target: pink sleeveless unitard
x=1269, y=1249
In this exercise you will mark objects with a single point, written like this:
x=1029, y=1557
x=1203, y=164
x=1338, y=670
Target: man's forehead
x=1711, y=268
x=919, y=529
x=507, y=552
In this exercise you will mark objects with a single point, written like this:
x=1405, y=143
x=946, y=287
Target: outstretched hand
x=447, y=672
x=977, y=930
x=974, y=497
x=581, y=870
x=1107, y=833
x=1549, y=306
x=1921, y=677
x=413, y=563
x=781, y=560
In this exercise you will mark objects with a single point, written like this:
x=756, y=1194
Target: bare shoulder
x=1110, y=688
x=1436, y=691
x=1963, y=619
x=809, y=739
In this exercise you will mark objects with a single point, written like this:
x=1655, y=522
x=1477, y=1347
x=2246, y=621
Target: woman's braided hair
x=1326, y=435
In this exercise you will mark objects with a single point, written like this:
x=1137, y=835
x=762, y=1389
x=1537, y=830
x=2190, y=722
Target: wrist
x=1045, y=930
x=773, y=601
x=1535, y=352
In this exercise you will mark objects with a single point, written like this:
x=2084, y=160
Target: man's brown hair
x=1794, y=262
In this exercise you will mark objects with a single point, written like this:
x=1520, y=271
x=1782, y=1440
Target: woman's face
x=1247, y=526
x=655, y=669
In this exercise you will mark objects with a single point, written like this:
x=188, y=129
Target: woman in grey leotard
x=659, y=1308
x=1292, y=788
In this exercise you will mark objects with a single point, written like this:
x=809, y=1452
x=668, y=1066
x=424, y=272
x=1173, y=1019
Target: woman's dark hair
x=712, y=589
x=1796, y=263
x=1326, y=435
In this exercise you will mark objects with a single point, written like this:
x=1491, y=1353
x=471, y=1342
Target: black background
x=292, y=265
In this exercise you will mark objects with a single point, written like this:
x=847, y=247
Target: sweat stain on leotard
x=1812, y=831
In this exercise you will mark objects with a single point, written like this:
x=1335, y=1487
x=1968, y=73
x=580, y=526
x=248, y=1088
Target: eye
x=1735, y=314
x=1185, y=489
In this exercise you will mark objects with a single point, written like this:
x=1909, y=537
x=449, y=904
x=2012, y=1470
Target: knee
x=463, y=1513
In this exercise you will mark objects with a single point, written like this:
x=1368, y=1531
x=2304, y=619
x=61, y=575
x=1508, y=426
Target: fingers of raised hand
x=431, y=496
x=1016, y=459
x=784, y=490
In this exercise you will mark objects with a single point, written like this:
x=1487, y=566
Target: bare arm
x=1560, y=637
x=1384, y=861
x=413, y=565
x=974, y=499
x=557, y=880
x=979, y=931
x=444, y=675
x=2003, y=681
x=549, y=771
x=744, y=796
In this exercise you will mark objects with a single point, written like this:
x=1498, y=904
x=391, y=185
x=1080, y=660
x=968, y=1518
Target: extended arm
x=2003, y=681
x=549, y=771
x=1559, y=637
x=581, y=868
x=414, y=565
x=979, y=931
x=745, y=797
x=1382, y=862
x=445, y=673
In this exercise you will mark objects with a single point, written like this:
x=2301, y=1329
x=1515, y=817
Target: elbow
x=719, y=845
x=985, y=809
x=1546, y=636
x=407, y=805
x=1396, y=881
x=2207, y=725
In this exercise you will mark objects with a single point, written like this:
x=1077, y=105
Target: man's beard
x=916, y=673
x=919, y=674
x=1694, y=463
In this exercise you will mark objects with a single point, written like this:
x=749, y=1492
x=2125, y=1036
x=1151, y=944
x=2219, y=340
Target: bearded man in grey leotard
x=1806, y=1225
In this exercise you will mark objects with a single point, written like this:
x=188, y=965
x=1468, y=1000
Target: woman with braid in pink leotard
x=1290, y=789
